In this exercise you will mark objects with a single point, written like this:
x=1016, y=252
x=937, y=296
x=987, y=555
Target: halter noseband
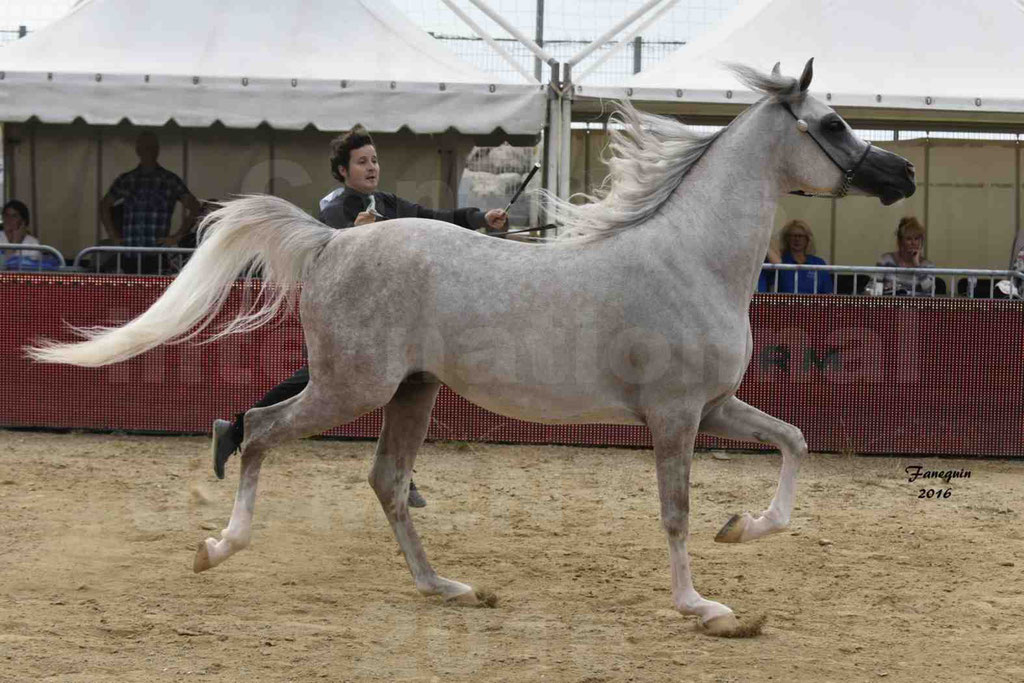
x=848, y=174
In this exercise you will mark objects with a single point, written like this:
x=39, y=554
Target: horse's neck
x=724, y=208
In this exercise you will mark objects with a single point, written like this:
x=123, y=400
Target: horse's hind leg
x=734, y=419
x=406, y=419
x=306, y=414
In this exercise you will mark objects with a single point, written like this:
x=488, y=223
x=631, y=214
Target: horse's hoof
x=727, y=626
x=202, y=560
x=475, y=598
x=467, y=598
x=732, y=531
x=723, y=625
x=486, y=598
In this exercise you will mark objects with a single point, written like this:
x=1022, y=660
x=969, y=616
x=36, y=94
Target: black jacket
x=341, y=211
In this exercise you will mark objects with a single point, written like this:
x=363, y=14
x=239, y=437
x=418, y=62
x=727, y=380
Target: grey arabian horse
x=640, y=316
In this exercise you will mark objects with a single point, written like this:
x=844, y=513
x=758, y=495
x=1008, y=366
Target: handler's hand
x=496, y=219
x=365, y=217
x=773, y=255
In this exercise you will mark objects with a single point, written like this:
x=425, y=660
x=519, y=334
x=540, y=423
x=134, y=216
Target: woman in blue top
x=797, y=247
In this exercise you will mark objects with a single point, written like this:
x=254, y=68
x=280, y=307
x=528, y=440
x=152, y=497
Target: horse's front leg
x=734, y=419
x=673, y=436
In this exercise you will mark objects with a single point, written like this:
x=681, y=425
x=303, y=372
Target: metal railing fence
x=626, y=62
x=971, y=283
x=132, y=260
x=23, y=264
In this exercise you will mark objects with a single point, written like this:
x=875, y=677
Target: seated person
x=16, y=221
x=798, y=247
x=909, y=254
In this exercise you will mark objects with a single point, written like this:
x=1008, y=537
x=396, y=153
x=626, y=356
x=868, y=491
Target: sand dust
x=871, y=583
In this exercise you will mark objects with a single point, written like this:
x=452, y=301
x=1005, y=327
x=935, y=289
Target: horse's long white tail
x=251, y=234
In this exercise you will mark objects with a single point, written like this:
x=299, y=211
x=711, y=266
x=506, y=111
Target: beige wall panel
x=971, y=205
x=65, y=212
x=864, y=228
x=223, y=162
x=300, y=167
x=17, y=156
x=587, y=172
x=411, y=168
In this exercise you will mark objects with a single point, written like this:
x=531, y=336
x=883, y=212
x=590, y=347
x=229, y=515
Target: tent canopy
x=953, y=56
x=329, y=63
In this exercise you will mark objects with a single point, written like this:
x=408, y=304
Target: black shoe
x=223, y=445
x=415, y=499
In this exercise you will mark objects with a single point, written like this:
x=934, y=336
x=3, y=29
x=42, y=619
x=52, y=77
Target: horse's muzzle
x=885, y=175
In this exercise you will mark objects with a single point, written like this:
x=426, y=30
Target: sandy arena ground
x=871, y=582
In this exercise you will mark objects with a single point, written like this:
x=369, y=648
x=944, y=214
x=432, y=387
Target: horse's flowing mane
x=773, y=85
x=647, y=159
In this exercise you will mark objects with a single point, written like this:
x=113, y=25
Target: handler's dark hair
x=342, y=146
x=20, y=207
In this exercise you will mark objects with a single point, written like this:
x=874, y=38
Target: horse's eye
x=835, y=125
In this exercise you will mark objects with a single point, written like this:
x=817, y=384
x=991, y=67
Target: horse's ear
x=805, y=77
x=777, y=69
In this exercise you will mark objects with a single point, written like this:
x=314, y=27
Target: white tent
x=329, y=63
x=246, y=95
x=960, y=57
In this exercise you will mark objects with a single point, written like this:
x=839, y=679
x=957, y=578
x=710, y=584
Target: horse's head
x=824, y=157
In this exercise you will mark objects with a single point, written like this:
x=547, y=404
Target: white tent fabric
x=896, y=54
x=330, y=63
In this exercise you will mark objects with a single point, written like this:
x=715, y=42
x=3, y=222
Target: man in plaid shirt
x=149, y=192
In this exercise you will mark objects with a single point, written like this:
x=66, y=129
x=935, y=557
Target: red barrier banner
x=866, y=374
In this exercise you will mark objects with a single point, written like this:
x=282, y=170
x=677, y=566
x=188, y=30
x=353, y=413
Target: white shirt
x=26, y=253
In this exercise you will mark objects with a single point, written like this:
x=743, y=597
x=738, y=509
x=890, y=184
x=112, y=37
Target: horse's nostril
x=910, y=169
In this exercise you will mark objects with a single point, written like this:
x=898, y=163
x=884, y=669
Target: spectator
x=149, y=193
x=798, y=247
x=16, y=222
x=909, y=254
x=797, y=241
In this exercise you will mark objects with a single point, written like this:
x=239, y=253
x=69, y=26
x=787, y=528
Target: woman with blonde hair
x=797, y=246
x=909, y=254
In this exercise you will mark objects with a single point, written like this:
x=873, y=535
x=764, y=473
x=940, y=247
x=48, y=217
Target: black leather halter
x=848, y=174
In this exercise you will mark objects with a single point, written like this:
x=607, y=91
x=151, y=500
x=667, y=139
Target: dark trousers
x=285, y=390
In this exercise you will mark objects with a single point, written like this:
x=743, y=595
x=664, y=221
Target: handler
x=354, y=164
